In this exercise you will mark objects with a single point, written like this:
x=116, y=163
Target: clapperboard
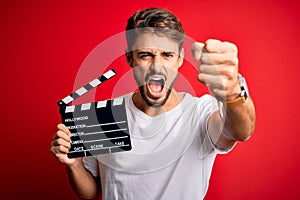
x=97, y=127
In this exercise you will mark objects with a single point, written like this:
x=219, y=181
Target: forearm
x=239, y=121
x=232, y=124
x=82, y=182
x=219, y=71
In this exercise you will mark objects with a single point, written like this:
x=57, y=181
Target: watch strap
x=238, y=101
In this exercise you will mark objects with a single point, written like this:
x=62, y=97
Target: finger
x=224, y=93
x=63, y=128
x=210, y=80
x=63, y=135
x=224, y=70
x=217, y=89
x=224, y=89
x=61, y=142
x=60, y=134
x=216, y=46
x=197, y=49
x=209, y=69
x=219, y=58
x=220, y=94
x=63, y=149
x=57, y=150
x=213, y=88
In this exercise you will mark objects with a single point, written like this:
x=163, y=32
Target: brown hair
x=156, y=20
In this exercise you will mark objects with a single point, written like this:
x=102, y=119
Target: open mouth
x=156, y=84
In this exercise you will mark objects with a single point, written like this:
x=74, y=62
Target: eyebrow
x=170, y=52
x=147, y=52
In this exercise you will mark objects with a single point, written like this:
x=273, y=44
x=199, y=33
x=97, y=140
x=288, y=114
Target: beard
x=148, y=100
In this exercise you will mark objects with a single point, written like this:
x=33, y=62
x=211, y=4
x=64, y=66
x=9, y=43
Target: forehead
x=154, y=41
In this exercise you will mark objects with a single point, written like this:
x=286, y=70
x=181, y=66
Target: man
x=175, y=136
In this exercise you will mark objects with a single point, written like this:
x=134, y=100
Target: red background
x=43, y=44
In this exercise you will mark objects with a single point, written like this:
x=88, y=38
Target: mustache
x=152, y=73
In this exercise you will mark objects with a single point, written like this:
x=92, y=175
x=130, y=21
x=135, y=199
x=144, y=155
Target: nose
x=157, y=63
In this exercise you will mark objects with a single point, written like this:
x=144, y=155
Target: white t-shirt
x=171, y=159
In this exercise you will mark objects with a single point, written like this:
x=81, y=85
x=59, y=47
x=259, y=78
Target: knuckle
x=68, y=145
x=231, y=72
x=224, y=58
x=60, y=141
x=209, y=47
x=231, y=59
x=62, y=149
x=210, y=41
x=60, y=133
x=234, y=47
x=225, y=83
x=231, y=46
x=236, y=61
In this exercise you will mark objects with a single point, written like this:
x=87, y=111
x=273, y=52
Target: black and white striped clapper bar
x=97, y=127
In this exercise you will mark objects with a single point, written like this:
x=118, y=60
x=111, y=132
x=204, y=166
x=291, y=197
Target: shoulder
x=205, y=101
x=198, y=109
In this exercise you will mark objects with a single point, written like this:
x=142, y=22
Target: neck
x=174, y=99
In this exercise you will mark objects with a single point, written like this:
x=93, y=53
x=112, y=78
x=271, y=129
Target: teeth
x=156, y=79
x=159, y=80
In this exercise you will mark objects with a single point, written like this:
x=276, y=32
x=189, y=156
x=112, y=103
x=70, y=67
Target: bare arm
x=219, y=72
x=83, y=183
x=234, y=124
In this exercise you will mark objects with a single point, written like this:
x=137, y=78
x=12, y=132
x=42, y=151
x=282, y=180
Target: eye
x=144, y=55
x=168, y=54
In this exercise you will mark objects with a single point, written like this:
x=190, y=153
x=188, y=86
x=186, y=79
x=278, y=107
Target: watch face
x=244, y=87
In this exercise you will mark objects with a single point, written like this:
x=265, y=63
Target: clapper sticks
x=97, y=127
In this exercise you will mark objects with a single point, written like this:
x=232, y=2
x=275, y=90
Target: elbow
x=89, y=197
x=246, y=133
x=239, y=136
x=245, y=137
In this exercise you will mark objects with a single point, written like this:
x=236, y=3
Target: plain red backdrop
x=43, y=44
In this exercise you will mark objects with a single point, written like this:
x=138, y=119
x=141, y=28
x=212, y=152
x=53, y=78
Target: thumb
x=196, y=49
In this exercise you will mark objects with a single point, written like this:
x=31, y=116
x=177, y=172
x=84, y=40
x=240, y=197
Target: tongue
x=155, y=87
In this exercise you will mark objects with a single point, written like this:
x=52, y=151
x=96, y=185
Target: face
x=155, y=61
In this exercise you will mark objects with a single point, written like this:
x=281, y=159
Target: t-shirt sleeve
x=208, y=106
x=216, y=149
x=91, y=164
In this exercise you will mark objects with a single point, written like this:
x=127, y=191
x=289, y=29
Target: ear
x=129, y=58
x=181, y=57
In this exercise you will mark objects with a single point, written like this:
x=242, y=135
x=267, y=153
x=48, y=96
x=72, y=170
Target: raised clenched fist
x=219, y=67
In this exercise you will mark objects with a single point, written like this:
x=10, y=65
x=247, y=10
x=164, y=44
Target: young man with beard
x=175, y=136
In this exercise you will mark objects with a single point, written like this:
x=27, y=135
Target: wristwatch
x=244, y=95
x=244, y=87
